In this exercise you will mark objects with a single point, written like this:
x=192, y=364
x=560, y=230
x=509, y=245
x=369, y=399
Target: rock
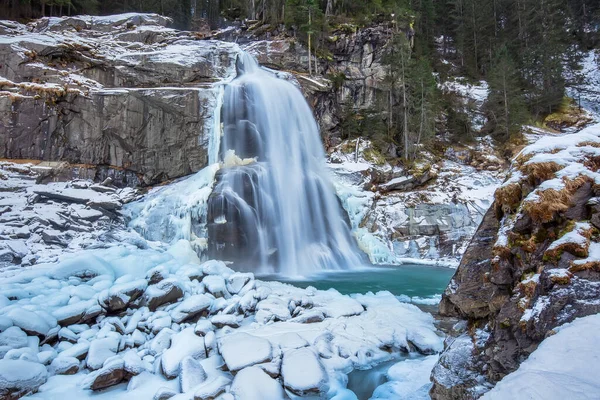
x=111, y=374
x=29, y=321
x=222, y=320
x=5, y=322
x=78, y=350
x=64, y=366
x=309, y=317
x=101, y=350
x=253, y=383
x=164, y=394
x=164, y=292
x=241, y=350
x=119, y=296
x=237, y=281
x=215, y=285
x=212, y=388
x=191, y=307
x=478, y=296
x=13, y=337
x=303, y=373
x=192, y=374
x=72, y=313
x=132, y=363
x=19, y=378
x=161, y=342
x=203, y=326
x=183, y=344
x=272, y=309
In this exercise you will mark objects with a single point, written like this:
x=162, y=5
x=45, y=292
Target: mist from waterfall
x=273, y=205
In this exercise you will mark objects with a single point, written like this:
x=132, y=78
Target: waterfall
x=273, y=204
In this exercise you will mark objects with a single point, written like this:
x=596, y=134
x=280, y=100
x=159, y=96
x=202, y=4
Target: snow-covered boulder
x=112, y=373
x=119, y=296
x=183, y=344
x=192, y=374
x=191, y=307
x=241, y=350
x=164, y=292
x=18, y=378
x=101, y=350
x=303, y=373
x=253, y=383
x=64, y=366
x=212, y=388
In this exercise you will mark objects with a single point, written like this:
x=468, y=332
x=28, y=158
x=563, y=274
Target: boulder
x=241, y=350
x=164, y=292
x=64, y=366
x=191, y=307
x=302, y=372
x=192, y=374
x=183, y=344
x=253, y=383
x=19, y=378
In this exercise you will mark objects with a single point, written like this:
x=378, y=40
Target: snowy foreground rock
x=159, y=324
x=39, y=222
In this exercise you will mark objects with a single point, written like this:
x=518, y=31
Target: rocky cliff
x=532, y=266
x=123, y=92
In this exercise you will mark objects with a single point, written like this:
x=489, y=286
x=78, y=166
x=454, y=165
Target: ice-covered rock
x=18, y=378
x=13, y=338
x=212, y=388
x=183, y=344
x=101, y=350
x=252, y=383
x=119, y=296
x=215, y=284
x=302, y=372
x=112, y=373
x=164, y=292
x=191, y=307
x=192, y=374
x=29, y=321
x=64, y=366
x=240, y=350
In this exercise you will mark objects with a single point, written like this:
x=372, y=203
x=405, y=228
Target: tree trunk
x=309, y=38
x=405, y=106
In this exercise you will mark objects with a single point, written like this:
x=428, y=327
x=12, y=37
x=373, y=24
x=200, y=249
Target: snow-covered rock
x=192, y=374
x=252, y=383
x=183, y=344
x=240, y=350
x=303, y=373
x=18, y=378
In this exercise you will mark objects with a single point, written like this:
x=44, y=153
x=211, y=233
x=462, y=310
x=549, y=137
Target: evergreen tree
x=505, y=109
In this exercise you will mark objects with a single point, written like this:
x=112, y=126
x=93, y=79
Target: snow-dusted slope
x=564, y=366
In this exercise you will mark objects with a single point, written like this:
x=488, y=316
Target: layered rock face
x=532, y=266
x=121, y=91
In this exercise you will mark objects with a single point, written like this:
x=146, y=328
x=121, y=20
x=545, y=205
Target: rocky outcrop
x=532, y=266
x=123, y=92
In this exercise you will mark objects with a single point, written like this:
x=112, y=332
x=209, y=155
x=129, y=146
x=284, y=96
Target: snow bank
x=564, y=366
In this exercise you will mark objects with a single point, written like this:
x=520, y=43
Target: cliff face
x=533, y=265
x=120, y=91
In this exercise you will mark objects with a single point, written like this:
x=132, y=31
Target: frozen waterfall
x=273, y=204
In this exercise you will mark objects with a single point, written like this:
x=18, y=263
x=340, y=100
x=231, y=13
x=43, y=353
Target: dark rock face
x=529, y=269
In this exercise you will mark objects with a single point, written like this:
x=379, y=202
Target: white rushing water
x=274, y=204
x=273, y=208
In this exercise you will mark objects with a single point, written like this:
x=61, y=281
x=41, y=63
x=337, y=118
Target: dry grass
x=589, y=143
x=508, y=198
x=588, y=266
x=541, y=171
x=552, y=201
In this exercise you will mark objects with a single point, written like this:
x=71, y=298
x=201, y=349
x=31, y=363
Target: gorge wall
x=532, y=266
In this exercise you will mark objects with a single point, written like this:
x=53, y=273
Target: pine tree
x=505, y=109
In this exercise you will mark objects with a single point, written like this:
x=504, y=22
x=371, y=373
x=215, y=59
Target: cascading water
x=273, y=205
